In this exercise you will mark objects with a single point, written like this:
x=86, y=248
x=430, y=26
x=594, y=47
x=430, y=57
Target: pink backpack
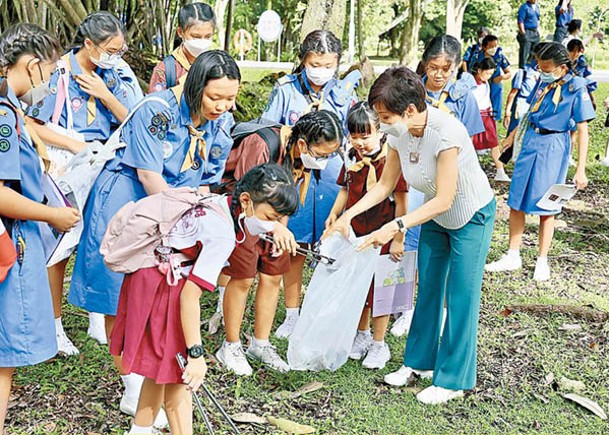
x=138, y=228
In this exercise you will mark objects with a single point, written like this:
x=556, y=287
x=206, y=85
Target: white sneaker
x=542, y=270
x=502, y=176
x=65, y=345
x=233, y=357
x=268, y=355
x=129, y=406
x=434, y=395
x=400, y=378
x=505, y=263
x=572, y=162
x=378, y=355
x=97, y=327
x=287, y=327
x=604, y=161
x=361, y=344
x=401, y=326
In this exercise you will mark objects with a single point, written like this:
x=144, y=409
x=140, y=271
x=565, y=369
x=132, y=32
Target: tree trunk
x=325, y=15
x=360, y=31
x=229, y=24
x=410, y=37
x=455, y=10
x=220, y=10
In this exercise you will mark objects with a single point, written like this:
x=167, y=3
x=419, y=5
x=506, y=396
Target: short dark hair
x=555, y=52
x=211, y=65
x=193, y=13
x=574, y=25
x=575, y=44
x=25, y=38
x=396, y=89
x=443, y=45
x=361, y=118
x=488, y=39
x=99, y=27
x=319, y=41
x=271, y=184
x=485, y=64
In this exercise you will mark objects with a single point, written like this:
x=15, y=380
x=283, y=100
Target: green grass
x=81, y=394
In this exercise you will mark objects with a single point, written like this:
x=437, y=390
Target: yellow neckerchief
x=180, y=56
x=297, y=174
x=316, y=103
x=439, y=103
x=371, y=178
x=555, y=98
x=197, y=140
x=39, y=144
x=91, y=104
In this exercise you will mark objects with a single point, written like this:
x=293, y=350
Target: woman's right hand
x=341, y=225
x=331, y=219
x=63, y=219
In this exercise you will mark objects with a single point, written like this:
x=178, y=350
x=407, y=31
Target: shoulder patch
x=6, y=130
x=5, y=145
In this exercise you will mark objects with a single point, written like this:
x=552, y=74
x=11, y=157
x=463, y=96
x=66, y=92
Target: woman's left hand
x=580, y=179
x=284, y=239
x=396, y=250
x=93, y=85
x=380, y=237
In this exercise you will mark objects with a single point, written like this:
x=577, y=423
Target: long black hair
x=99, y=27
x=271, y=184
x=443, y=45
x=555, y=52
x=321, y=42
x=24, y=38
x=211, y=65
x=315, y=128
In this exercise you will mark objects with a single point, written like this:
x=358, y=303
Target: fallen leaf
x=594, y=346
x=570, y=384
x=214, y=323
x=290, y=426
x=570, y=327
x=248, y=417
x=590, y=405
x=305, y=389
x=541, y=398
x=506, y=312
x=549, y=378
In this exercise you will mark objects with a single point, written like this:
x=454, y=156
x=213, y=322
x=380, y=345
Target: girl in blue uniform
x=28, y=56
x=98, y=97
x=171, y=142
x=312, y=86
x=559, y=99
x=440, y=59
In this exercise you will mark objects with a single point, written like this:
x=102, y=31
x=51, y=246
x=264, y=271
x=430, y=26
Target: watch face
x=195, y=351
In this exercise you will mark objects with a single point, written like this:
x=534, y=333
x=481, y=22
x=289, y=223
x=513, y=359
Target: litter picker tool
x=209, y=394
x=313, y=253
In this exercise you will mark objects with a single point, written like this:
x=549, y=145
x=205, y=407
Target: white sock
x=221, y=291
x=542, y=260
x=292, y=312
x=59, y=326
x=363, y=332
x=514, y=253
x=231, y=343
x=378, y=343
x=135, y=429
x=260, y=343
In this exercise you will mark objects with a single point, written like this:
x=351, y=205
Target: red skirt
x=148, y=328
x=488, y=138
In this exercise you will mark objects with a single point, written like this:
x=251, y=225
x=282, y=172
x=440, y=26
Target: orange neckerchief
x=371, y=178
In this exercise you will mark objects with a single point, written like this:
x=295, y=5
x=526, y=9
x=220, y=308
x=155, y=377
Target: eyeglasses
x=433, y=70
x=114, y=55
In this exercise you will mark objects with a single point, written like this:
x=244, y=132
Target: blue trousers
x=451, y=266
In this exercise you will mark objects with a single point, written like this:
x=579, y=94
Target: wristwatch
x=401, y=226
x=196, y=351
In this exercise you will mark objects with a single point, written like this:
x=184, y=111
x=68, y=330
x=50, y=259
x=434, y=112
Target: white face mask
x=106, y=61
x=197, y=46
x=492, y=51
x=311, y=162
x=256, y=226
x=396, y=129
x=320, y=76
x=374, y=151
x=37, y=92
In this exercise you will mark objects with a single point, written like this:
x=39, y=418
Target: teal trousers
x=451, y=266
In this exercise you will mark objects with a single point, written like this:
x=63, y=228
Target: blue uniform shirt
x=528, y=15
x=471, y=54
x=288, y=102
x=496, y=88
x=461, y=102
x=104, y=123
x=582, y=69
x=524, y=80
x=158, y=140
x=563, y=18
x=575, y=105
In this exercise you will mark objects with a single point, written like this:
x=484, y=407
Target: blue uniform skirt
x=94, y=287
x=308, y=223
x=542, y=162
x=27, y=327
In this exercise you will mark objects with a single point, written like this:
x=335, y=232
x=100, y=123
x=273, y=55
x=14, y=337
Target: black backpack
x=265, y=128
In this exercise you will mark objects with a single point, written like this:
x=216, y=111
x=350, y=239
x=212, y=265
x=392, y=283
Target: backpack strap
x=273, y=142
x=63, y=95
x=170, y=71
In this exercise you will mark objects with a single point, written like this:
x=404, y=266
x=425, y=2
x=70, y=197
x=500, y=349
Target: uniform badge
x=196, y=165
x=35, y=112
x=215, y=152
x=159, y=87
x=53, y=90
x=4, y=146
x=76, y=104
x=111, y=82
x=167, y=149
x=152, y=129
x=292, y=118
x=161, y=134
x=571, y=87
x=5, y=130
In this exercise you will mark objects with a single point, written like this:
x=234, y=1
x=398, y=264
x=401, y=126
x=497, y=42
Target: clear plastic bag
x=324, y=333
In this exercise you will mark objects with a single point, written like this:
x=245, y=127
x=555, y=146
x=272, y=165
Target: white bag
x=332, y=307
x=80, y=174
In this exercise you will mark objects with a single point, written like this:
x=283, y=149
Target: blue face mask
x=547, y=77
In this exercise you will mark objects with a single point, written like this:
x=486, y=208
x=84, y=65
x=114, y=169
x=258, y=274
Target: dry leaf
x=590, y=405
x=549, y=378
x=505, y=312
x=305, y=389
x=214, y=323
x=248, y=417
x=541, y=398
x=290, y=426
x=570, y=384
x=570, y=327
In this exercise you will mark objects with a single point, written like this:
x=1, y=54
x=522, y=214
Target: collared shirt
x=19, y=162
x=496, y=88
x=103, y=122
x=528, y=15
x=574, y=105
x=461, y=102
x=524, y=80
x=158, y=80
x=471, y=54
x=158, y=140
x=582, y=69
x=563, y=18
x=444, y=132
